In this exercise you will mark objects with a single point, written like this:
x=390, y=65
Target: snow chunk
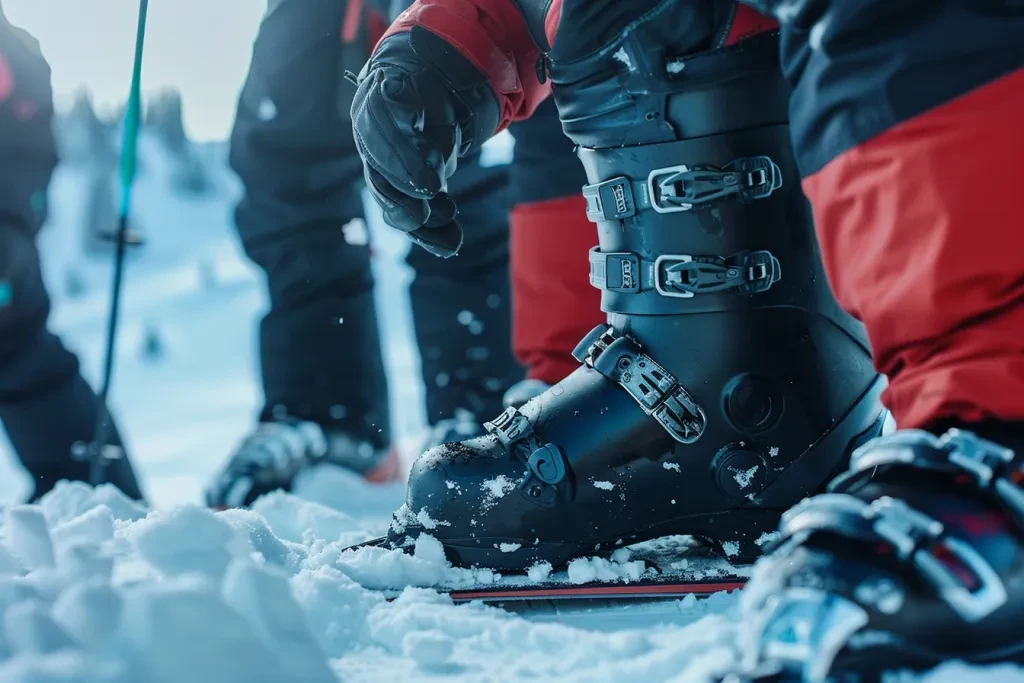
x=604, y=485
x=428, y=648
x=429, y=524
x=773, y=451
x=766, y=537
x=264, y=597
x=10, y=565
x=26, y=532
x=745, y=477
x=539, y=572
x=676, y=67
x=622, y=56
x=94, y=526
x=88, y=612
x=671, y=466
x=28, y=628
x=71, y=499
x=185, y=540
x=508, y=547
x=585, y=570
x=296, y=520
x=731, y=548
x=183, y=631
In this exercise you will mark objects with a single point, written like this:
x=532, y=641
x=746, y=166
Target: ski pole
x=101, y=456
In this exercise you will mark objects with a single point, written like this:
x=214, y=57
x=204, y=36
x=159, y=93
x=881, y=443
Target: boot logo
x=627, y=274
x=619, y=193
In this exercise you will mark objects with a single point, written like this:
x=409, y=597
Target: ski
x=670, y=588
x=674, y=569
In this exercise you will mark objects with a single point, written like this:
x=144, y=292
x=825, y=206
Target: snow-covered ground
x=96, y=588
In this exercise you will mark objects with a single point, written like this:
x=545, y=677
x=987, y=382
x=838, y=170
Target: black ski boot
x=720, y=392
x=277, y=450
x=915, y=558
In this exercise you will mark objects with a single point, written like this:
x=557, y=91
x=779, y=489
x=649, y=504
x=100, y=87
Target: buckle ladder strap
x=992, y=467
x=914, y=537
x=682, y=188
x=684, y=276
x=654, y=388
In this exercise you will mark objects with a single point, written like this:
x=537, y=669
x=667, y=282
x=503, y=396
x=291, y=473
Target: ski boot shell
x=727, y=385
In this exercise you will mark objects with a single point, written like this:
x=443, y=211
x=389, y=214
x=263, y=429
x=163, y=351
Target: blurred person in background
x=46, y=407
x=301, y=220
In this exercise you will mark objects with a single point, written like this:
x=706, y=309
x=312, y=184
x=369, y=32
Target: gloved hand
x=419, y=106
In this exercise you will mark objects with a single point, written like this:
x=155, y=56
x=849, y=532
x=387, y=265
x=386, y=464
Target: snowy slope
x=94, y=588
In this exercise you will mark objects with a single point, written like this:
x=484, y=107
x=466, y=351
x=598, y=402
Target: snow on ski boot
x=914, y=558
x=270, y=458
x=720, y=393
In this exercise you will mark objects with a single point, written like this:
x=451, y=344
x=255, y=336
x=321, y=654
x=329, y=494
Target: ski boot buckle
x=654, y=388
x=680, y=188
x=682, y=276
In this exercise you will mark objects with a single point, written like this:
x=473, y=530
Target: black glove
x=419, y=106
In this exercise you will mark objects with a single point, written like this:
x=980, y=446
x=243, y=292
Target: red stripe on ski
x=599, y=591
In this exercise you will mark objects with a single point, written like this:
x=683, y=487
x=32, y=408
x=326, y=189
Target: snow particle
x=338, y=412
x=673, y=501
x=356, y=233
x=773, y=451
x=745, y=477
x=494, y=490
x=442, y=379
x=731, y=548
x=604, y=485
x=671, y=466
x=493, y=301
x=622, y=56
x=465, y=317
x=675, y=67
x=508, y=547
x=267, y=110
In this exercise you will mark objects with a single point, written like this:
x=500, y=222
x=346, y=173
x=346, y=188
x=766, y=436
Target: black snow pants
x=46, y=407
x=301, y=220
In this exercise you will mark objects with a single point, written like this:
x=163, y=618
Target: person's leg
x=301, y=220
x=46, y=407
x=554, y=305
x=907, y=128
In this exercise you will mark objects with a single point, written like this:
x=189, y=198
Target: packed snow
x=95, y=588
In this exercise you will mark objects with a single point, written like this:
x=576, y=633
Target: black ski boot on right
x=720, y=393
x=914, y=558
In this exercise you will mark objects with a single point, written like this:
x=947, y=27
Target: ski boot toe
x=915, y=558
x=468, y=495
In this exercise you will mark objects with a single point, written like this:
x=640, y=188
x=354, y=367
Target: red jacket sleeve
x=493, y=36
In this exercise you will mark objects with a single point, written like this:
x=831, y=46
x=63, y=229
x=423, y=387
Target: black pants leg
x=46, y=406
x=301, y=220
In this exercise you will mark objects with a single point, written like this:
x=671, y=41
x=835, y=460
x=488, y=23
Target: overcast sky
x=200, y=46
